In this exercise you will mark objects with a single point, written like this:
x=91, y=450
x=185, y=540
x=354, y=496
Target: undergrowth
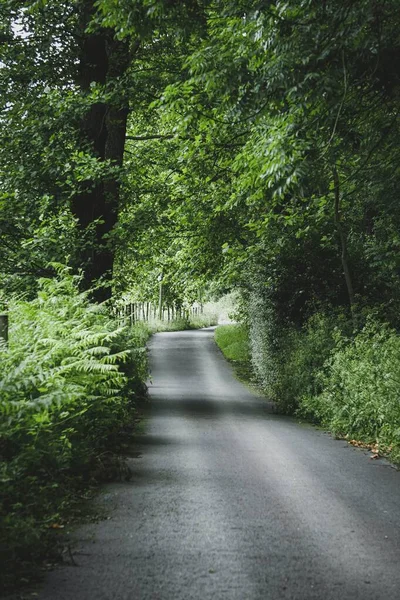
x=348, y=382
x=71, y=378
x=324, y=371
x=358, y=396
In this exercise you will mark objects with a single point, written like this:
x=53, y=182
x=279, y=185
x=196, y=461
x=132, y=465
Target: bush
x=326, y=373
x=302, y=359
x=266, y=341
x=360, y=389
x=202, y=320
x=287, y=360
x=70, y=378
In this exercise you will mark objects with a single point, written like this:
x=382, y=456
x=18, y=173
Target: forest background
x=221, y=145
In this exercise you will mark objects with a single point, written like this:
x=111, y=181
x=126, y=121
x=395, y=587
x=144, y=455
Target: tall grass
x=233, y=340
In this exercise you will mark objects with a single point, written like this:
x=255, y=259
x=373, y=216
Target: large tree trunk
x=103, y=60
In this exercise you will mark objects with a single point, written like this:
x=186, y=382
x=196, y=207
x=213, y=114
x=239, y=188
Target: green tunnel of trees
x=241, y=142
x=227, y=145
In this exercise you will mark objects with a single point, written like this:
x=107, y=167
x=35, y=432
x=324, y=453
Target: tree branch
x=155, y=136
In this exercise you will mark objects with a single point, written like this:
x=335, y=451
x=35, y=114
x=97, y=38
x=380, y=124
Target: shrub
x=324, y=372
x=360, y=390
x=303, y=357
x=70, y=377
x=287, y=359
x=265, y=342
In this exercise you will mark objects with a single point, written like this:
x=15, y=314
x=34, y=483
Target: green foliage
x=273, y=101
x=70, y=379
x=358, y=394
x=264, y=343
x=300, y=358
x=39, y=133
x=233, y=340
x=202, y=320
x=287, y=358
x=323, y=371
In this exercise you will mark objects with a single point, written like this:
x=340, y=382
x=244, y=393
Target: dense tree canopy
x=251, y=143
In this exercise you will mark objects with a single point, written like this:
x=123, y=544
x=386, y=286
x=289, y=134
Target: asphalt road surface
x=230, y=501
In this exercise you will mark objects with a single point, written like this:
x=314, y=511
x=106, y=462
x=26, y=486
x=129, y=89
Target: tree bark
x=103, y=60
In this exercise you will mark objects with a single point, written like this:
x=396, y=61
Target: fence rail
x=148, y=311
x=133, y=312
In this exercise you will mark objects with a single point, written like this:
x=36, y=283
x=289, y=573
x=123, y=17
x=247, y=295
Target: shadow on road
x=203, y=407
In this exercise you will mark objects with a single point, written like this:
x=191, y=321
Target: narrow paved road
x=229, y=501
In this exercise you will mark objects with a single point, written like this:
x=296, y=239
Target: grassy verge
x=233, y=341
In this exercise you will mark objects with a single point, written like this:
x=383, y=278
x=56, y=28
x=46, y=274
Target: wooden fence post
x=4, y=327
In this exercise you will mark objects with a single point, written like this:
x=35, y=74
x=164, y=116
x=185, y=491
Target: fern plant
x=68, y=381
